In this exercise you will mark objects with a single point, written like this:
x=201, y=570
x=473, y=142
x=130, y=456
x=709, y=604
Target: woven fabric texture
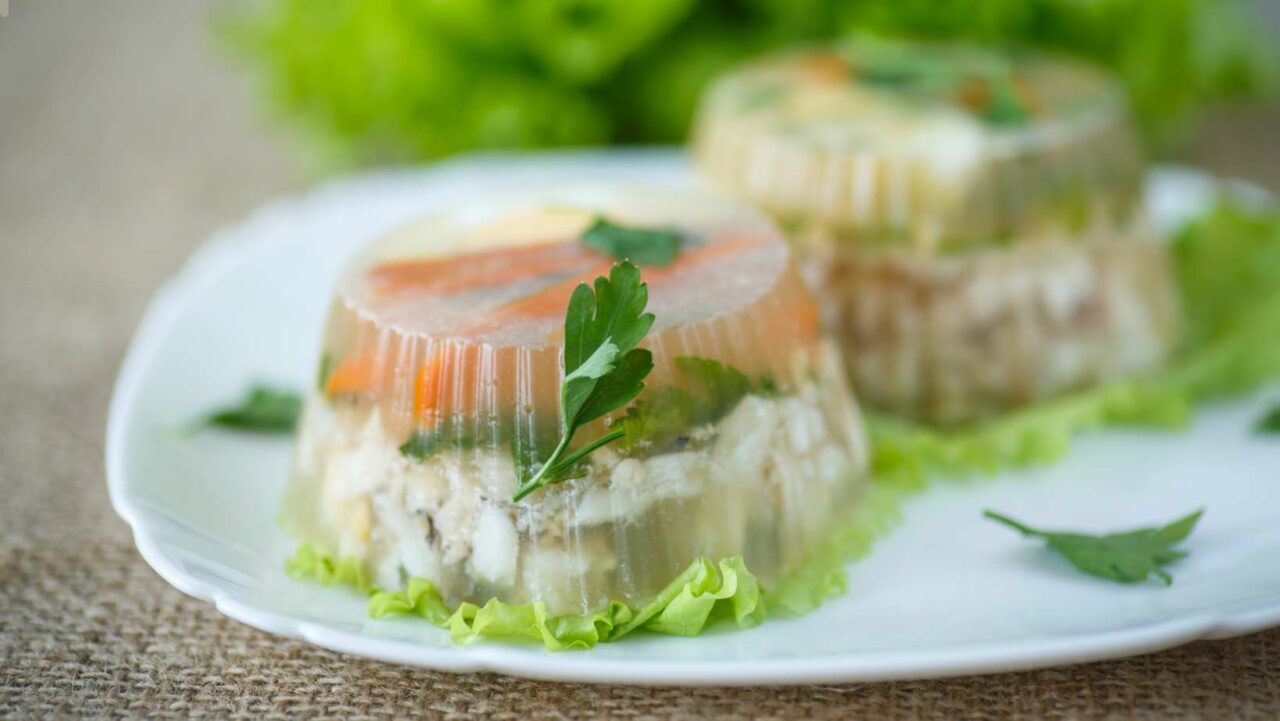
x=123, y=142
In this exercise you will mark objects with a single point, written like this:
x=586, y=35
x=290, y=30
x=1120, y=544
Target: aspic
x=568, y=399
x=969, y=217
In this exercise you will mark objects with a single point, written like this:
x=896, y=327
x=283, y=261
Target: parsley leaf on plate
x=1269, y=423
x=603, y=369
x=642, y=246
x=1126, y=557
x=263, y=410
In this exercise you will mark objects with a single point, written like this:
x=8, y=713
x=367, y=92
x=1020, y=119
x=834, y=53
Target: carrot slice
x=548, y=301
x=355, y=374
x=511, y=274
x=553, y=299
x=428, y=386
x=806, y=316
x=471, y=271
x=362, y=372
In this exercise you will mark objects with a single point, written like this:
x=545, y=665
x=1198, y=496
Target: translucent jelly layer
x=440, y=389
x=922, y=144
x=960, y=337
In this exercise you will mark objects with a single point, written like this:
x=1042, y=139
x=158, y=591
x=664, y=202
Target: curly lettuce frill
x=310, y=563
x=704, y=593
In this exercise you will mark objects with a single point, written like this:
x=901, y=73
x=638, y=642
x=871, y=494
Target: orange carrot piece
x=807, y=319
x=355, y=374
x=427, y=387
x=553, y=299
x=548, y=301
x=510, y=274
x=478, y=270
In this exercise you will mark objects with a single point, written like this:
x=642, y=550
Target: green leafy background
x=389, y=80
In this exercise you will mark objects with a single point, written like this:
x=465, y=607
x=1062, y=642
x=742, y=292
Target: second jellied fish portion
x=971, y=219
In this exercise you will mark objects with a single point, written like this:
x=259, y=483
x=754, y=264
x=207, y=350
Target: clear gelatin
x=969, y=218
x=960, y=337
x=923, y=144
x=440, y=390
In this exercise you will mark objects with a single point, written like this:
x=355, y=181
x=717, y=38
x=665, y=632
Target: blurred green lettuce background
x=399, y=80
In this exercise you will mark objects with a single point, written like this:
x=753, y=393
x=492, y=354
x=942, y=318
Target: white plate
x=947, y=593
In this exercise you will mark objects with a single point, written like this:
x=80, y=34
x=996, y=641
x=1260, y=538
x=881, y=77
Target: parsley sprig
x=1126, y=557
x=642, y=246
x=603, y=368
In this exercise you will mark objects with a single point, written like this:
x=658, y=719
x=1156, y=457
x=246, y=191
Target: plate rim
x=226, y=246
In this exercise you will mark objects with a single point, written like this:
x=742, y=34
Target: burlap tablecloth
x=123, y=142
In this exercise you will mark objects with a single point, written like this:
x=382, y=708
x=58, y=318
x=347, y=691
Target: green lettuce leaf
x=507, y=621
x=499, y=620
x=1225, y=262
x=420, y=598
x=402, y=80
x=906, y=454
x=700, y=595
x=310, y=563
